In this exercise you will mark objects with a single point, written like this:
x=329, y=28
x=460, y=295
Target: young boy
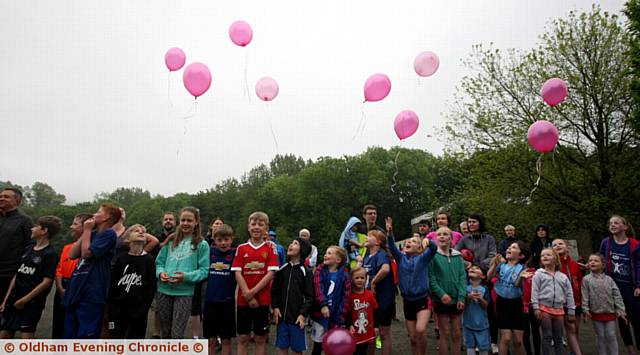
x=63, y=275
x=221, y=286
x=133, y=285
x=86, y=296
x=292, y=295
x=361, y=308
x=332, y=285
x=23, y=304
x=474, y=317
x=254, y=266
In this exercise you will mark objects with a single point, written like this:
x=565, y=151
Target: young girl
x=182, y=262
x=602, y=302
x=333, y=291
x=377, y=261
x=621, y=260
x=509, y=276
x=362, y=304
x=443, y=219
x=448, y=291
x=551, y=293
x=570, y=267
x=414, y=285
x=133, y=285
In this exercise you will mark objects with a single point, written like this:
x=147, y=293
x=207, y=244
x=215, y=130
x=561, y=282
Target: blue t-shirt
x=475, y=317
x=385, y=289
x=222, y=282
x=333, y=279
x=621, y=269
x=507, y=278
x=90, y=280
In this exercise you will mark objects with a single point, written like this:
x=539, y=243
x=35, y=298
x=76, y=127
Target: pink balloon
x=543, y=136
x=426, y=63
x=554, y=91
x=267, y=89
x=338, y=341
x=406, y=124
x=240, y=33
x=175, y=59
x=377, y=87
x=197, y=79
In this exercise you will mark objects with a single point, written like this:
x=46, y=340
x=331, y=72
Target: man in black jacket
x=15, y=235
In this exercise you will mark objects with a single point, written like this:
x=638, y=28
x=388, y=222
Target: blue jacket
x=413, y=271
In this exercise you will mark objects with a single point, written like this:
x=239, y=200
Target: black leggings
x=361, y=349
x=317, y=348
x=531, y=328
x=625, y=329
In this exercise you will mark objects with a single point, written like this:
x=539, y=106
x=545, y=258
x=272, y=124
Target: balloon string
x=273, y=134
x=246, y=82
x=539, y=172
x=169, y=90
x=395, y=174
x=191, y=113
x=360, y=124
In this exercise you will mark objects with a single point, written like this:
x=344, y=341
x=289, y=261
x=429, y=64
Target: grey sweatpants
x=606, y=339
x=174, y=312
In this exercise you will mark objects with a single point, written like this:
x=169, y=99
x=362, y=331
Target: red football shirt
x=254, y=262
x=362, y=306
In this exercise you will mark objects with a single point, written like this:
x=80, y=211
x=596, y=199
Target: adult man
x=510, y=238
x=15, y=235
x=424, y=227
x=313, y=256
x=370, y=215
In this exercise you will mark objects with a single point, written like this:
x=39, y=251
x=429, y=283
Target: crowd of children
x=469, y=287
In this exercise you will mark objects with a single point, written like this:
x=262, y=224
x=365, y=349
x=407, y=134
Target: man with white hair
x=313, y=256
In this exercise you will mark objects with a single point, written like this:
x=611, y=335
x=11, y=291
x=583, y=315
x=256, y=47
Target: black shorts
x=382, y=317
x=219, y=320
x=253, y=319
x=197, y=299
x=24, y=320
x=446, y=310
x=510, y=312
x=411, y=308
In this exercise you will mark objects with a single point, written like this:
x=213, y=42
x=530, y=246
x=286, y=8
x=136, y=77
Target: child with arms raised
x=414, y=285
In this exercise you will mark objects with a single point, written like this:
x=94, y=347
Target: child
x=377, y=261
x=570, y=268
x=509, y=274
x=133, y=286
x=414, y=285
x=474, y=317
x=551, y=292
x=292, y=295
x=86, y=296
x=221, y=287
x=23, y=304
x=63, y=275
x=448, y=291
x=181, y=263
x=333, y=292
x=602, y=303
x=254, y=266
x=621, y=255
x=362, y=304
x=531, y=323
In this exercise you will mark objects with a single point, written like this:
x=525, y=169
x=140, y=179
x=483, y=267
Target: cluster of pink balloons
x=197, y=76
x=543, y=135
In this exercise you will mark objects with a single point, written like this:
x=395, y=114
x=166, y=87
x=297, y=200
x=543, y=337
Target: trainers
x=378, y=343
x=564, y=342
x=495, y=349
x=218, y=345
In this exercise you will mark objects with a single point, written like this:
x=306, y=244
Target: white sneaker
x=495, y=349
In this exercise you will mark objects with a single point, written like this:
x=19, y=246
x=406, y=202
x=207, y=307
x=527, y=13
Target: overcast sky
x=85, y=106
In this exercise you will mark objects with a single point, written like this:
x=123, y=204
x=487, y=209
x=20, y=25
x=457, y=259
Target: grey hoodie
x=600, y=294
x=552, y=290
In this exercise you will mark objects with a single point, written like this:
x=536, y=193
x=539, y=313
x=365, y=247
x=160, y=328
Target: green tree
x=42, y=195
x=593, y=170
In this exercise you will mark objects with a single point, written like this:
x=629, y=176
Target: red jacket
x=571, y=268
x=526, y=289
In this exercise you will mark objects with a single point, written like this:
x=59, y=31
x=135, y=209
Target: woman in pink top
x=443, y=219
